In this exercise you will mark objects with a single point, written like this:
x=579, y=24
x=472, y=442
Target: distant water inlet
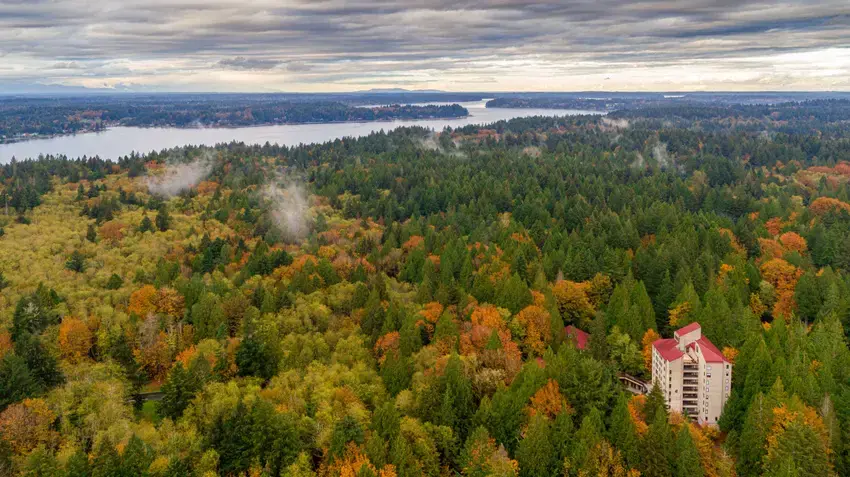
x=121, y=141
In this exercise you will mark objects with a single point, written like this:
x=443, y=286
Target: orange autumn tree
x=538, y=330
x=5, y=343
x=143, y=301
x=822, y=205
x=783, y=276
x=430, y=314
x=730, y=353
x=770, y=248
x=353, y=464
x=793, y=242
x=169, y=301
x=548, y=402
x=648, y=338
x=113, y=231
x=75, y=339
x=636, y=413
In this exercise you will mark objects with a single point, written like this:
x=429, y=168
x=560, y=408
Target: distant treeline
x=34, y=116
x=548, y=102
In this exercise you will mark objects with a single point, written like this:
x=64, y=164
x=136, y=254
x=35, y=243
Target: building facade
x=694, y=376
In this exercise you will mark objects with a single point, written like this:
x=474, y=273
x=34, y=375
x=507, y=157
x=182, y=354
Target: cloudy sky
x=460, y=45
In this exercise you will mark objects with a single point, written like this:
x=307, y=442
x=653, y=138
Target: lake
x=121, y=141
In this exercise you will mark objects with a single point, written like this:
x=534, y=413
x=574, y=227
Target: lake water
x=121, y=141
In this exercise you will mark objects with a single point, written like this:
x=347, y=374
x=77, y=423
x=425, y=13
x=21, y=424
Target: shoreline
x=241, y=126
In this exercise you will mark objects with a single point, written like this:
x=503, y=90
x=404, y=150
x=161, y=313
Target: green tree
x=16, y=380
x=163, y=219
x=177, y=392
x=145, y=225
x=658, y=448
x=535, y=452
x=623, y=433
x=115, y=282
x=76, y=262
x=687, y=455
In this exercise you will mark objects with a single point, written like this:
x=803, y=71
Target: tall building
x=694, y=377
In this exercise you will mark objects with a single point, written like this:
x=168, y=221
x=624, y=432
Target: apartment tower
x=694, y=376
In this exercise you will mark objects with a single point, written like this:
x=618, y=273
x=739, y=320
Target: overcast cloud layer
x=501, y=45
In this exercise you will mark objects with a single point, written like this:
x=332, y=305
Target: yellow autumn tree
x=573, y=302
x=538, y=330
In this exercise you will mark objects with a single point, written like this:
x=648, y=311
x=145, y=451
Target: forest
x=396, y=304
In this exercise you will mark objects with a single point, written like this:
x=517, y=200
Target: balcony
x=690, y=382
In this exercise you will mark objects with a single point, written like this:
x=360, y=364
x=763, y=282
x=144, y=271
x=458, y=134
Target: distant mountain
x=16, y=89
x=400, y=90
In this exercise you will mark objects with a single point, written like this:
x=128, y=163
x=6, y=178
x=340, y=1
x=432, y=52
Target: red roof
x=667, y=349
x=580, y=336
x=687, y=329
x=709, y=352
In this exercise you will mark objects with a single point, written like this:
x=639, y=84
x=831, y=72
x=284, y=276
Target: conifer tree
x=658, y=447
x=535, y=452
x=623, y=434
x=687, y=456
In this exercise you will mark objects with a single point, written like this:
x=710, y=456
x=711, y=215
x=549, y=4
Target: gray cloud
x=243, y=63
x=342, y=44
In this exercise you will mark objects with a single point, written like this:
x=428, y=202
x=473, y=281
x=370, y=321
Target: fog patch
x=532, y=151
x=609, y=123
x=639, y=162
x=662, y=157
x=289, y=207
x=178, y=177
x=431, y=142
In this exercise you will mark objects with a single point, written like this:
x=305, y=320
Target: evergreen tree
x=623, y=434
x=43, y=365
x=91, y=233
x=115, y=282
x=514, y=294
x=145, y=225
x=687, y=456
x=136, y=459
x=78, y=465
x=231, y=436
x=163, y=219
x=598, y=342
x=177, y=392
x=76, y=262
x=345, y=430
x=535, y=452
x=658, y=447
x=106, y=462
x=16, y=380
